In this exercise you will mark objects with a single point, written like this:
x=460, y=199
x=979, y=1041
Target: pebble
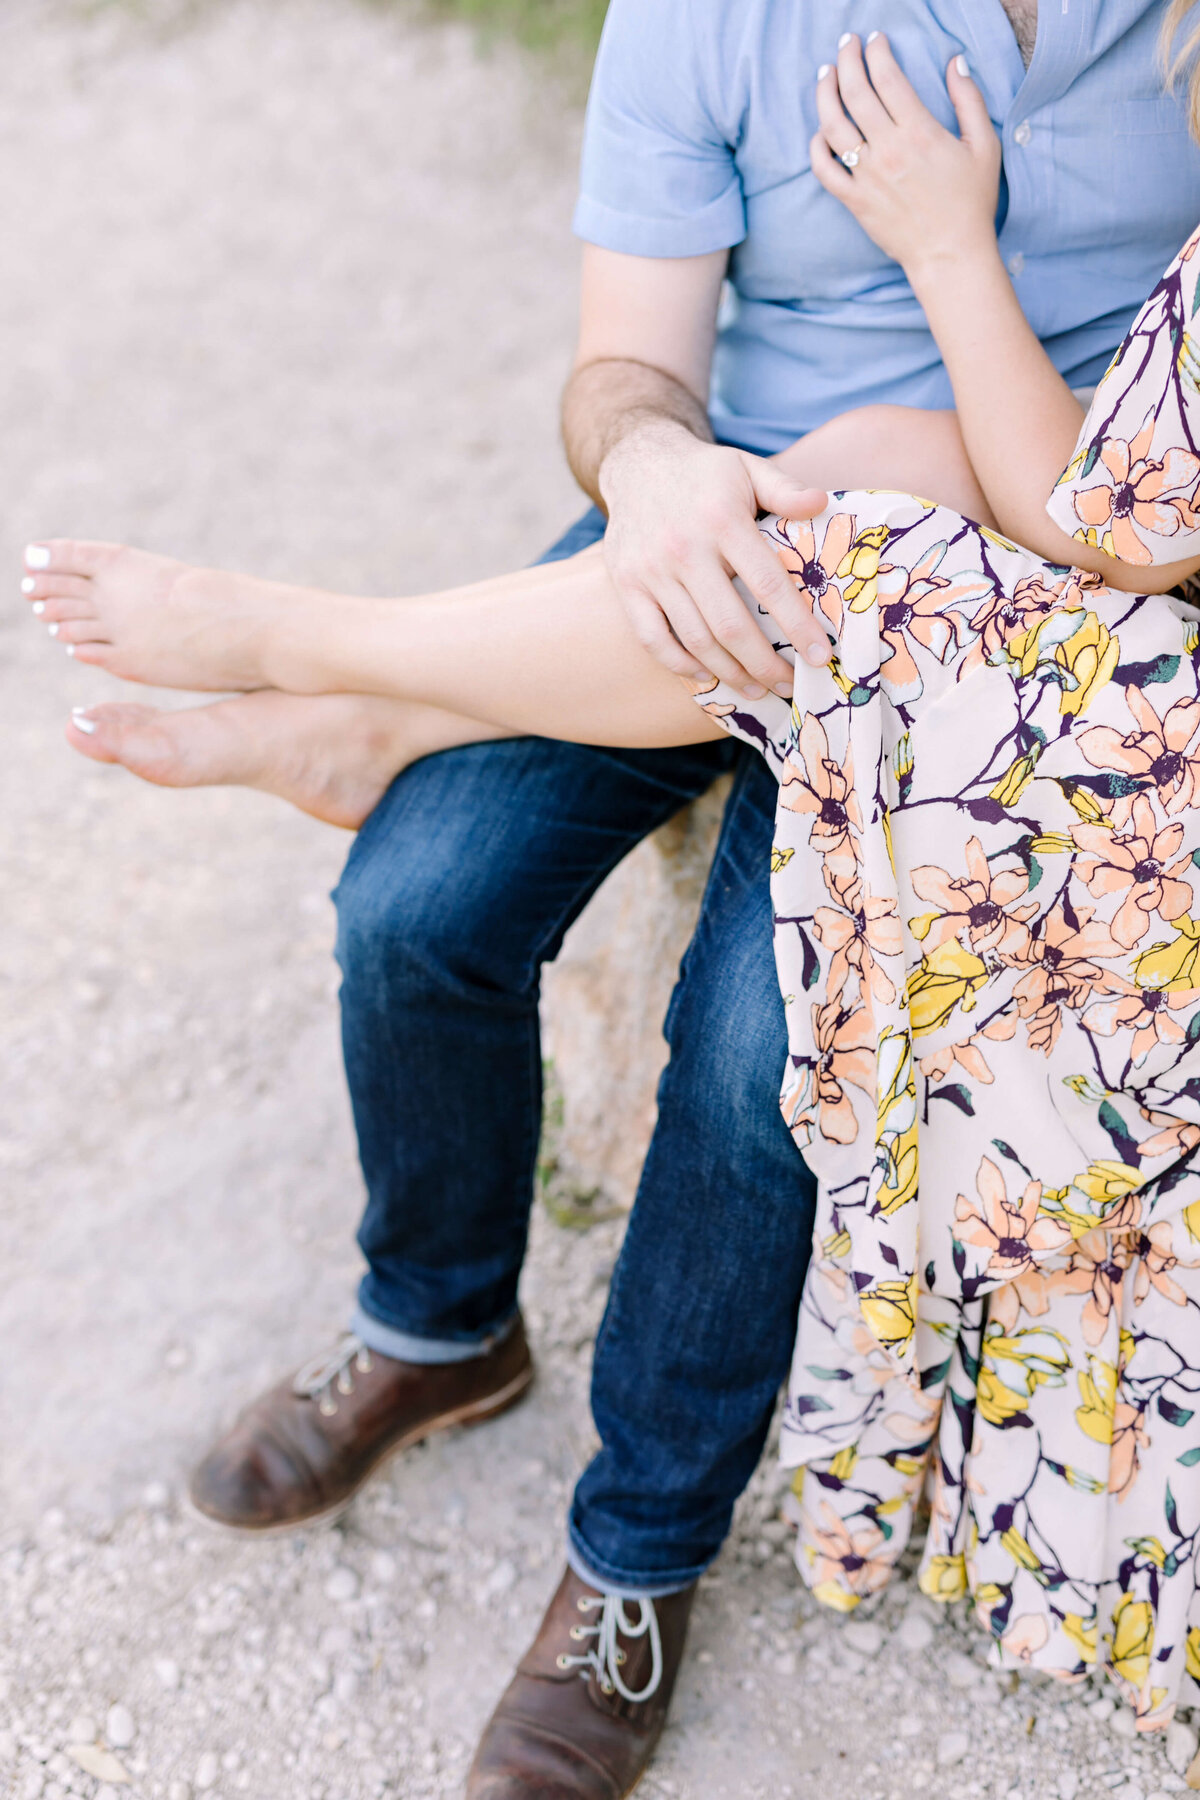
x=207, y=1770
x=342, y=1584
x=1180, y=1745
x=167, y=1671
x=119, y=1727
x=336, y=1640
x=1123, y=1724
x=864, y=1636
x=1068, y=1785
x=81, y=1730
x=502, y=1578
x=1103, y=1709
x=383, y=1566
x=179, y=1790
x=156, y=1496
x=106, y=1793
x=952, y=1746
x=914, y=1632
x=961, y=1671
x=101, y=1763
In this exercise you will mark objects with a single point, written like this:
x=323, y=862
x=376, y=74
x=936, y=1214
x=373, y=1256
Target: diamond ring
x=849, y=158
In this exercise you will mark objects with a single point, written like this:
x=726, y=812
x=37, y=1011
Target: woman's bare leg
x=331, y=755
x=900, y=448
x=548, y=651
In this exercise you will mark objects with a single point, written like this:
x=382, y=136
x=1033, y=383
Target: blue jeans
x=459, y=886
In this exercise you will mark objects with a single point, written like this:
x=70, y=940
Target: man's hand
x=681, y=527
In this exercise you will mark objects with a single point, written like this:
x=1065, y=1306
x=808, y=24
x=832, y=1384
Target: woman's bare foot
x=331, y=755
x=149, y=618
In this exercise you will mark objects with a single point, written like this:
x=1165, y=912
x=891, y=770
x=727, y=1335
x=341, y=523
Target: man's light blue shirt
x=697, y=140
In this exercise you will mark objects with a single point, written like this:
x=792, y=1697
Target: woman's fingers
x=858, y=96
x=892, y=85
x=839, y=131
x=974, y=121
x=833, y=175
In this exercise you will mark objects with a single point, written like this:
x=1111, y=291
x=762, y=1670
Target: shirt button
x=1023, y=133
x=1016, y=264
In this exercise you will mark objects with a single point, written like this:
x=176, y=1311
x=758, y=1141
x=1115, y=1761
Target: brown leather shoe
x=582, y=1716
x=301, y=1452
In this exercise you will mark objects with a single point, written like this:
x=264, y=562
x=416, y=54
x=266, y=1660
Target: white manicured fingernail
x=53, y=630
x=28, y=584
x=871, y=36
x=37, y=556
x=81, y=722
x=962, y=65
x=823, y=71
x=817, y=655
x=844, y=39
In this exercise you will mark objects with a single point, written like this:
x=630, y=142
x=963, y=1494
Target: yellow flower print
x=987, y=1595
x=1191, y=637
x=896, y=1115
x=1083, y=1634
x=1193, y=1652
x=1127, y=1344
x=1132, y=1639
x=843, y=1464
x=948, y=977
x=861, y=563
x=1015, y=780
x=1015, y=1365
x=944, y=1578
x=1025, y=648
x=1021, y=1550
x=1172, y=967
x=780, y=858
x=1085, y=804
x=902, y=756
x=1106, y=1182
x=1188, y=362
x=836, y=1246
x=1149, y=1547
x=1098, y=1400
x=1087, y=660
x=833, y=1595
x=889, y=1309
x=1191, y=1218
x=1052, y=843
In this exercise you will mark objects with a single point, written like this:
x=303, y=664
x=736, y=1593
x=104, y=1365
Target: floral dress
x=986, y=886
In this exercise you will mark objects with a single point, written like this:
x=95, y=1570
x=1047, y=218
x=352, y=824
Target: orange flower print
x=1145, y=1011
x=1003, y=615
x=1144, y=496
x=966, y=1055
x=1062, y=970
x=1155, y=1260
x=1139, y=865
x=849, y=1559
x=813, y=569
x=825, y=788
x=975, y=904
x=1174, y=1137
x=1099, y=1260
x=1011, y=1232
x=858, y=931
x=845, y=1045
x=926, y=607
x=1156, y=751
x=1129, y=1435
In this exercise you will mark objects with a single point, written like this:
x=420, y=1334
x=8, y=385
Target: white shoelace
x=604, y=1657
x=333, y=1369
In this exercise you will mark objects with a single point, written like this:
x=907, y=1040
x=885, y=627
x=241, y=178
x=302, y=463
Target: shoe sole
x=477, y=1413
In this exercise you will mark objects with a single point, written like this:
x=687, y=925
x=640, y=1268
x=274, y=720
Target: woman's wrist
x=965, y=267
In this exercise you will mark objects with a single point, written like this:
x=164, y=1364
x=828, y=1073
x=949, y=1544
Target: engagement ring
x=850, y=158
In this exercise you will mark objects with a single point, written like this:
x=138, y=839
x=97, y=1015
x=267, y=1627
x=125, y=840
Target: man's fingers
x=691, y=627
x=774, y=590
x=737, y=633
x=840, y=132
x=891, y=83
x=974, y=121
x=858, y=96
x=655, y=635
x=777, y=492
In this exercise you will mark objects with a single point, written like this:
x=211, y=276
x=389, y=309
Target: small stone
x=910, y=1726
x=177, y=1357
x=1158, y=1794
x=914, y=1633
x=952, y=1746
x=207, y=1770
x=1123, y=1724
x=81, y=1730
x=179, y=1790
x=119, y=1727
x=502, y=1578
x=98, y=1762
x=167, y=1671
x=961, y=1671
x=1132, y=1792
x=1193, y=1773
x=1103, y=1709
x=383, y=1566
x=1180, y=1746
x=156, y=1496
x=1068, y=1785
x=785, y=1664
x=106, y=1793
x=336, y=1640
x=342, y=1584
x=863, y=1636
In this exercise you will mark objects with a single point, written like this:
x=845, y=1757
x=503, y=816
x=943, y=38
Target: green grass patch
x=572, y=25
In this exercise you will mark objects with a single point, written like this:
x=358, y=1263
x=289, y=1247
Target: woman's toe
x=52, y=586
x=82, y=630
x=68, y=556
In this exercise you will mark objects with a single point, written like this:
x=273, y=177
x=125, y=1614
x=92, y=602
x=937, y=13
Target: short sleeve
x=659, y=176
x=1131, y=487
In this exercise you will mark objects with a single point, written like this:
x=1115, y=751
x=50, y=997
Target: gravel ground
x=291, y=287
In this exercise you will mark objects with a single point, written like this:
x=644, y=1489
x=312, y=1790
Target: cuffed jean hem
x=405, y=1346
x=607, y=1580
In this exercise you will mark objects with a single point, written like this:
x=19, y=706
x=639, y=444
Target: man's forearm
x=609, y=400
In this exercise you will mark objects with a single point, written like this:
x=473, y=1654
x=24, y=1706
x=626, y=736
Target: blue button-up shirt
x=697, y=140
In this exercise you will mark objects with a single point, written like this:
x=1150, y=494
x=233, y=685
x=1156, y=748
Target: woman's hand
x=921, y=193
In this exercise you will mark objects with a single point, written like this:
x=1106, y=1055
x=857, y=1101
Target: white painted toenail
x=82, y=723
x=53, y=630
x=37, y=556
x=28, y=585
x=39, y=607
x=70, y=649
